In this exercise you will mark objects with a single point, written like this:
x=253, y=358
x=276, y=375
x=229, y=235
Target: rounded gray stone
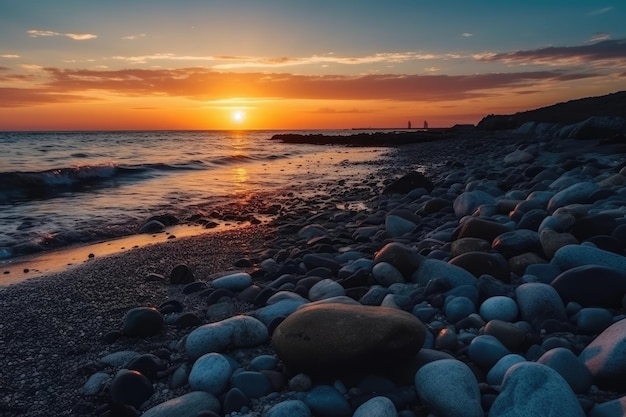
x=467, y=202
x=235, y=332
x=593, y=320
x=571, y=256
x=235, y=282
x=569, y=367
x=386, y=274
x=497, y=371
x=499, y=307
x=377, y=406
x=326, y=288
x=486, y=350
x=457, y=308
x=397, y=226
x=434, y=268
x=210, y=373
x=449, y=388
x=538, y=302
x=327, y=401
x=531, y=389
x=289, y=408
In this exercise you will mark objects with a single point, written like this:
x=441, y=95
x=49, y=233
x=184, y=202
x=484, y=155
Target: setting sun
x=238, y=116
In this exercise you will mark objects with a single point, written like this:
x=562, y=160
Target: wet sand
x=16, y=270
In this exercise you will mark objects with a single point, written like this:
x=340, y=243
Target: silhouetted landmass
x=392, y=138
x=569, y=112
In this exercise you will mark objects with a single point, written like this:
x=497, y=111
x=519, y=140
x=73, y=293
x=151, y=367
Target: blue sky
x=562, y=49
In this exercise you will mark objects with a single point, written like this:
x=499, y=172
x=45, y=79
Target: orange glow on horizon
x=106, y=112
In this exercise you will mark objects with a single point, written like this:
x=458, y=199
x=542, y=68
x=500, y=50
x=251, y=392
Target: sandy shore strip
x=15, y=270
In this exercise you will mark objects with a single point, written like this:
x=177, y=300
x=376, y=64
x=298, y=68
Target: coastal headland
x=484, y=273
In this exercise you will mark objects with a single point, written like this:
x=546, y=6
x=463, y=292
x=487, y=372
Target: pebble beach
x=479, y=275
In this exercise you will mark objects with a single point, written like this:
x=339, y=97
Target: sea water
x=60, y=188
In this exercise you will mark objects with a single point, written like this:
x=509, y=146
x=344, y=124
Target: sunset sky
x=291, y=64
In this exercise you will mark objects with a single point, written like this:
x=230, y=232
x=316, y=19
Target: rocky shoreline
x=492, y=284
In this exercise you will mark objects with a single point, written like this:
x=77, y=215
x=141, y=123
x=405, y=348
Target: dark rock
x=489, y=286
x=249, y=294
x=313, y=261
x=469, y=244
x=142, y=322
x=218, y=294
x=332, y=338
x=263, y=296
x=518, y=264
x=511, y=336
x=320, y=272
x=243, y=263
x=309, y=281
x=591, y=286
x=532, y=219
x=277, y=379
x=359, y=278
x=181, y=274
x=482, y=229
x=516, y=242
x=590, y=226
x=481, y=263
x=171, y=306
x=597, y=127
x=152, y=226
x=608, y=243
x=166, y=219
x=252, y=384
x=235, y=400
x=435, y=205
x=131, y=388
x=620, y=233
x=357, y=293
x=147, y=364
x=408, y=183
x=194, y=287
x=187, y=320
x=405, y=259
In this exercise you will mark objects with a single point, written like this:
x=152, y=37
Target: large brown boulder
x=329, y=339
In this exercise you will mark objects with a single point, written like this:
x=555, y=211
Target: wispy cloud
x=206, y=85
x=331, y=110
x=225, y=62
x=35, y=33
x=599, y=37
x=9, y=56
x=134, y=37
x=602, y=53
x=467, y=34
x=32, y=67
x=600, y=11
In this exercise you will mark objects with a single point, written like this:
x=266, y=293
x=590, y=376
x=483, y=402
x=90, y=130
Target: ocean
x=62, y=188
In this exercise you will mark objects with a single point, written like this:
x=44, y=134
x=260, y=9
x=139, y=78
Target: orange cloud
x=207, y=85
x=22, y=97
